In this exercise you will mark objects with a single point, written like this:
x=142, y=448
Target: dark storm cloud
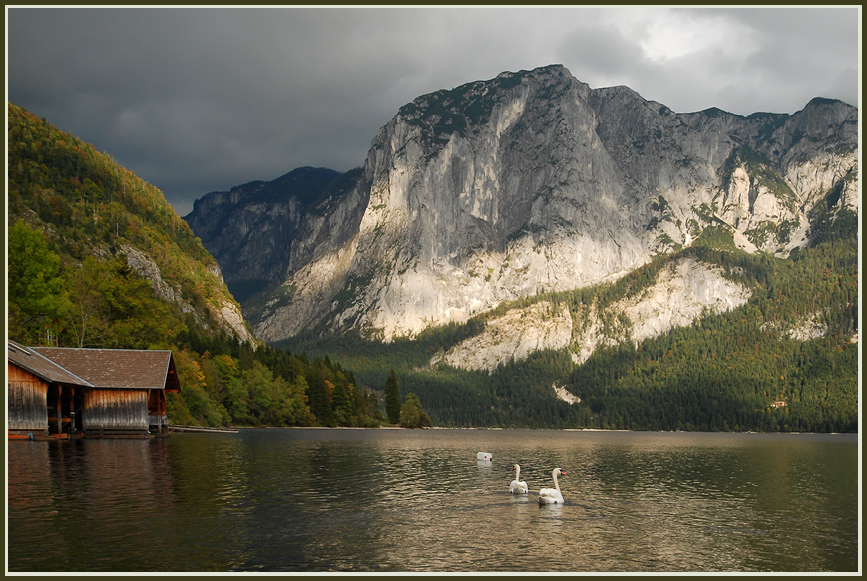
x=196, y=100
x=603, y=52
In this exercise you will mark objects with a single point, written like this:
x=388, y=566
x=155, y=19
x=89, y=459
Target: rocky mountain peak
x=531, y=182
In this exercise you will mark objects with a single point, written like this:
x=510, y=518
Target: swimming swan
x=518, y=487
x=552, y=495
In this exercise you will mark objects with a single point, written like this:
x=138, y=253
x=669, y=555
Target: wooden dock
x=173, y=428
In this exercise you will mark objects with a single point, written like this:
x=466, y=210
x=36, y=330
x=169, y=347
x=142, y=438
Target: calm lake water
x=398, y=500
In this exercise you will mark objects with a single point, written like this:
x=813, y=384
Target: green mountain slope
x=104, y=223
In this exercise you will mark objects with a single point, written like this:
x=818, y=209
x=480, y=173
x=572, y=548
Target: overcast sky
x=196, y=100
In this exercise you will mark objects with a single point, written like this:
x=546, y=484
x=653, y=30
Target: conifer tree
x=392, y=399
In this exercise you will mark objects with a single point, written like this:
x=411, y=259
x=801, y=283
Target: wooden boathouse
x=55, y=391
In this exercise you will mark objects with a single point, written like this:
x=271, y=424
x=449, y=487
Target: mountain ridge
x=531, y=182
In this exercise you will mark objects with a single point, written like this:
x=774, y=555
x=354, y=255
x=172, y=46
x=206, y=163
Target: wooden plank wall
x=157, y=410
x=28, y=400
x=115, y=409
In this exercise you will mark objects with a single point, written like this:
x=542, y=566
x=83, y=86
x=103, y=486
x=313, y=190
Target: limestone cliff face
x=531, y=182
x=681, y=293
x=515, y=335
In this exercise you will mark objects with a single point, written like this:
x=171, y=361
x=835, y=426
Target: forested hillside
x=785, y=361
x=102, y=221
x=98, y=258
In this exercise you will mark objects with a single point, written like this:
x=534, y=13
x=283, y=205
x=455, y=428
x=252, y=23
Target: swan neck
x=556, y=483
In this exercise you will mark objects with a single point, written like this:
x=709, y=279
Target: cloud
x=195, y=100
x=797, y=54
x=601, y=56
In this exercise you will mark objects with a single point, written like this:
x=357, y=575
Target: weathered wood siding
x=158, y=419
x=115, y=409
x=27, y=399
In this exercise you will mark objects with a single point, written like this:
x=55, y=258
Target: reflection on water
x=398, y=500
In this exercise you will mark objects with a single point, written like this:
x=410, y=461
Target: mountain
x=530, y=252
x=118, y=267
x=251, y=239
x=526, y=184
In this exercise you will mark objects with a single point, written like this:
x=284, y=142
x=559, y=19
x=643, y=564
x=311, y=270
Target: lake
x=389, y=500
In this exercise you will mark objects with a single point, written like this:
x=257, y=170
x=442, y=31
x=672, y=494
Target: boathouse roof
x=40, y=366
x=116, y=368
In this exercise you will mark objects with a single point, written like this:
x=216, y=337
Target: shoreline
x=496, y=429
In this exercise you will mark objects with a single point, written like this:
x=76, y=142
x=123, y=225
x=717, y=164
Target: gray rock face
x=515, y=335
x=250, y=229
x=533, y=182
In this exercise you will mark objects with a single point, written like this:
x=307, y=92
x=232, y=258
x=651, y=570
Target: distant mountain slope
x=250, y=228
x=529, y=183
x=91, y=211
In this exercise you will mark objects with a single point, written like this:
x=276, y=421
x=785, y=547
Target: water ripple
x=395, y=500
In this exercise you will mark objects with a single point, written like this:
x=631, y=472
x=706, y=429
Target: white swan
x=518, y=487
x=552, y=495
